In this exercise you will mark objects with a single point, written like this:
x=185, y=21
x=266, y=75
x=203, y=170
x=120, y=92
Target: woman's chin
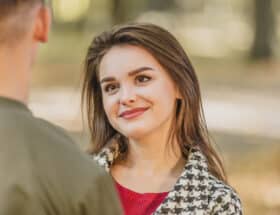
x=135, y=134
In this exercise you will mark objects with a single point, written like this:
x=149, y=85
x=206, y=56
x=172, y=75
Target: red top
x=139, y=203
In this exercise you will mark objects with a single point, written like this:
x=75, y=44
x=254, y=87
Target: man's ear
x=42, y=24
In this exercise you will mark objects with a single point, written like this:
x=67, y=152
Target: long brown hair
x=190, y=127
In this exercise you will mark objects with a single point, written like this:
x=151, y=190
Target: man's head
x=23, y=25
x=20, y=17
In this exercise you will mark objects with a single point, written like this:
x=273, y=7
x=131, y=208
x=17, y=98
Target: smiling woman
x=147, y=126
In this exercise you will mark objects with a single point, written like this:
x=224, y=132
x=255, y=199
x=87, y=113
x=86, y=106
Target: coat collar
x=190, y=192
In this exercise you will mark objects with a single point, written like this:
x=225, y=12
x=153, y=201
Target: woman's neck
x=158, y=155
x=150, y=167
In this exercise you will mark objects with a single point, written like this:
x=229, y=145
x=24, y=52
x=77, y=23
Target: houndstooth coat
x=196, y=192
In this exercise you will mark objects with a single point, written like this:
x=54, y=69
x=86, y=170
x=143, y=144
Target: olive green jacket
x=42, y=172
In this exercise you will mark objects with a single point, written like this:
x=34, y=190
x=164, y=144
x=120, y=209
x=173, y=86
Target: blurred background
x=234, y=47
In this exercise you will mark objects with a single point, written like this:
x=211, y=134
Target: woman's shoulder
x=223, y=199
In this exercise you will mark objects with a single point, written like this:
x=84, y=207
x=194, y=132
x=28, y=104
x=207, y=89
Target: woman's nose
x=127, y=96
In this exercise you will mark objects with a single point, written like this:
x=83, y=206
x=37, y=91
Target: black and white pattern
x=196, y=192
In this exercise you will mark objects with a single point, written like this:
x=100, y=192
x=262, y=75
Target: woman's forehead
x=121, y=60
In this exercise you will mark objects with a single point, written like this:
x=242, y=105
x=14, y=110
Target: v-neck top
x=135, y=203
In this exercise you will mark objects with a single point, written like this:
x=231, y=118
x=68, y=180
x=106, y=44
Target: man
x=41, y=170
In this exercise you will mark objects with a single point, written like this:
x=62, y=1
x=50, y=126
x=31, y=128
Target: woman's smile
x=133, y=113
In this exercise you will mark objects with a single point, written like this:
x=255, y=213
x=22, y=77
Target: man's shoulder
x=24, y=134
x=28, y=127
x=22, y=120
x=50, y=129
x=37, y=156
x=44, y=149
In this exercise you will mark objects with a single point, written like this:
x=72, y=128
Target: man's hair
x=8, y=7
x=13, y=17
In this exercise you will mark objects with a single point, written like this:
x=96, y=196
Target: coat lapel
x=190, y=193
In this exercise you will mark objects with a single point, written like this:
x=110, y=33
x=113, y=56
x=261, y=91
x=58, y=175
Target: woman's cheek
x=110, y=106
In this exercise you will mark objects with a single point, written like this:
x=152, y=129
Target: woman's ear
x=42, y=24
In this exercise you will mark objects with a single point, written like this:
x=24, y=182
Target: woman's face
x=138, y=95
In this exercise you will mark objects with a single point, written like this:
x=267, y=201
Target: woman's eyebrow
x=138, y=70
x=107, y=79
x=131, y=73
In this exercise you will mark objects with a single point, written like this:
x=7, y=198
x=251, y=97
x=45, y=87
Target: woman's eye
x=142, y=78
x=110, y=88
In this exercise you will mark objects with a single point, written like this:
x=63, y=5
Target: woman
x=147, y=127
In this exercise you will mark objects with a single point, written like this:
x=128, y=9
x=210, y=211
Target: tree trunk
x=119, y=12
x=161, y=4
x=264, y=30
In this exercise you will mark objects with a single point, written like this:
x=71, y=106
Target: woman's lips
x=133, y=113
